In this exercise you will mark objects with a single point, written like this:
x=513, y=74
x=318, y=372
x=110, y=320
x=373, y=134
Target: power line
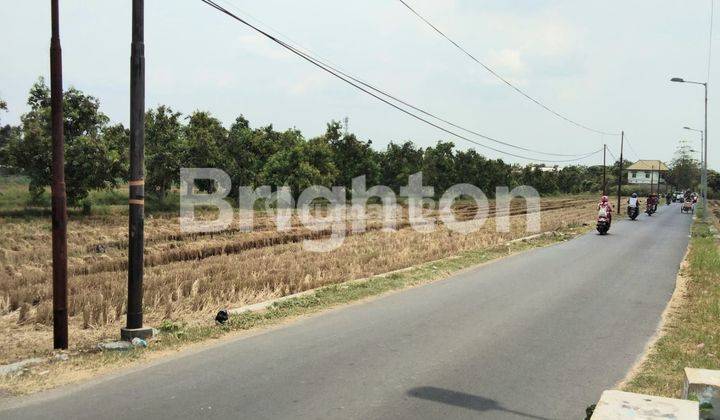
x=507, y=82
x=335, y=68
x=632, y=149
x=359, y=85
x=612, y=154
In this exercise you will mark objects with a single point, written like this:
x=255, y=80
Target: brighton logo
x=340, y=211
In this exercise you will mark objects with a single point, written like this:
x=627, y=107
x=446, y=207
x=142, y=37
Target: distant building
x=646, y=172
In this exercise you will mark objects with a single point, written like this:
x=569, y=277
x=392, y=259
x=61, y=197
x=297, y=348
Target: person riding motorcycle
x=652, y=201
x=633, y=205
x=605, y=204
x=633, y=200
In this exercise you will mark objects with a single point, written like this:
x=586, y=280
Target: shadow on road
x=461, y=399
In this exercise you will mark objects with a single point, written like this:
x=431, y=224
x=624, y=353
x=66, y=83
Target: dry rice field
x=188, y=277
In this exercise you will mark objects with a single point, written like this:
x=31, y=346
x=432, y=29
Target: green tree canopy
x=399, y=162
x=439, y=166
x=684, y=170
x=205, y=145
x=298, y=167
x=91, y=161
x=163, y=150
x=352, y=157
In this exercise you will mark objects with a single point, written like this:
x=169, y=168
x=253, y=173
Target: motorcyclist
x=633, y=205
x=652, y=201
x=633, y=200
x=605, y=204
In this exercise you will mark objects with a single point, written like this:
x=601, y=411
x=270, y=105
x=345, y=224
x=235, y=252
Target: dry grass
x=190, y=276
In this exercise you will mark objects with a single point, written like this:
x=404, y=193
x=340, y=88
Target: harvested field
x=188, y=277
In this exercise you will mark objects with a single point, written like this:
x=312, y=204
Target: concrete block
x=618, y=405
x=703, y=385
x=115, y=346
x=17, y=367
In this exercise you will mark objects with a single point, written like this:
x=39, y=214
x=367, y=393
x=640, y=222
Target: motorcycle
x=650, y=208
x=633, y=211
x=603, y=222
x=687, y=207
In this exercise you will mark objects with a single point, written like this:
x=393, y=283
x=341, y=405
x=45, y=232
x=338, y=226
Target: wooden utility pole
x=134, y=327
x=652, y=183
x=59, y=197
x=604, y=186
x=620, y=170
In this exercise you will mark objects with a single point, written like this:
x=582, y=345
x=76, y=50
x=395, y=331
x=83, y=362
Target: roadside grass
x=691, y=335
x=175, y=335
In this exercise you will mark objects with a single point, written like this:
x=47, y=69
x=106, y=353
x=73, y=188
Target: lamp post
x=702, y=158
x=704, y=168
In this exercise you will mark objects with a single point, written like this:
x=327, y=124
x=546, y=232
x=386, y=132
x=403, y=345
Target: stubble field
x=189, y=277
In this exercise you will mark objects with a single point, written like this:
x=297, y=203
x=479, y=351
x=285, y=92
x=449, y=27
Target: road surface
x=537, y=335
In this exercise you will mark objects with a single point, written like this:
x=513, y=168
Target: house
x=646, y=172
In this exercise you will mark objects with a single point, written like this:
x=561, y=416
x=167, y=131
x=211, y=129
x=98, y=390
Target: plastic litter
x=222, y=317
x=139, y=342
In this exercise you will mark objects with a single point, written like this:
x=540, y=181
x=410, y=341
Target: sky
x=604, y=64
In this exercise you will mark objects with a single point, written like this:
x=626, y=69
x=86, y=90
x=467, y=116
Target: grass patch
x=174, y=335
x=692, y=332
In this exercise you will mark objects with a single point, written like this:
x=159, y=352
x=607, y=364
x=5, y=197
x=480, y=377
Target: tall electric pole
x=604, y=186
x=620, y=170
x=134, y=327
x=705, y=158
x=652, y=182
x=59, y=198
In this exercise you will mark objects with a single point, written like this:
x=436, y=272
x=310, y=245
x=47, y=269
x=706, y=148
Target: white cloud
x=260, y=46
x=507, y=61
x=308, y=83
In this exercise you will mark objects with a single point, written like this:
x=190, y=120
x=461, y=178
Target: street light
x=704, y=173
x=702, y=142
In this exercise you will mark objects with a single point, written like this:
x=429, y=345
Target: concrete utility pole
x=604, y=186
x=659, y=172
x=705, y=158
x=134, y=326
x=620, y=170
x=59, y=198
x=703, y=179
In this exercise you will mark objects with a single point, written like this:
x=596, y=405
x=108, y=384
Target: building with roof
x=646, y=172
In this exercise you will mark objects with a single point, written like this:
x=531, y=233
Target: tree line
x=97, y=154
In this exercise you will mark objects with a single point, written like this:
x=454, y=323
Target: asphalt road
x=537, y=335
